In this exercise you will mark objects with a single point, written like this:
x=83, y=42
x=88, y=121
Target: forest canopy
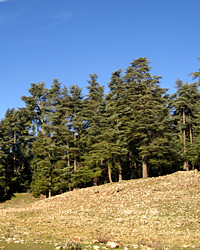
x=63, y=140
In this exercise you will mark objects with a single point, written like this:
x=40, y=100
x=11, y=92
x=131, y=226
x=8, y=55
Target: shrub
x=72, y=245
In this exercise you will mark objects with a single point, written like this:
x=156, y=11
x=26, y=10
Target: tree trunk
x=49, y=186
x=120, y=171
x=75, y=163
x=14, y=153
x=135, y=169
x=131, y=167
x=95, y=181
x=50, y=180
x=184, y=134
x=144, y=167
x=109, y=172
x=119, y=164
x=191, y=134
x=14, y=161
x=186, y=165
x=75, y=160
x=41, y=119
x=68, y=157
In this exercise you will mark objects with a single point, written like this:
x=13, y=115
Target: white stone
x=9, y=240
x=96, y=247
x=112, y=244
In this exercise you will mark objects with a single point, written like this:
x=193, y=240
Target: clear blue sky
x=41, y=40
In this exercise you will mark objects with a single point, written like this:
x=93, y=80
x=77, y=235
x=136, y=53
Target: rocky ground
x=162, y=211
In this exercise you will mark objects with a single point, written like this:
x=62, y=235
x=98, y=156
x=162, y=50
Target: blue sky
x=41, y=40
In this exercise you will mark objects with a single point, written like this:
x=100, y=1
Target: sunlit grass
x=157, y=212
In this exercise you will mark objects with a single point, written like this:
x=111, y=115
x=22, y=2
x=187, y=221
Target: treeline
x=63, y=140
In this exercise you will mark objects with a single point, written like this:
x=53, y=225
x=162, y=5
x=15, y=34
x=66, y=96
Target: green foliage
x=185, y=120
x=62, y=140
x=73, y=245
x=197, y=73
x=15, y=153
x=147, y=113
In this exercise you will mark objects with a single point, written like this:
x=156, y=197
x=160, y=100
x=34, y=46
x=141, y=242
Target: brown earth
x=163, y=210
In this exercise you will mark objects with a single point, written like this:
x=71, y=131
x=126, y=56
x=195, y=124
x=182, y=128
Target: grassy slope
x=155, y=211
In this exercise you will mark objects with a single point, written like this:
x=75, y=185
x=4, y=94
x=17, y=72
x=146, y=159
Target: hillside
x=163, y=210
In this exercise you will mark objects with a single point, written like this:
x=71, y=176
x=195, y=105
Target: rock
x=96, y=247
x=112, y=244
x=9, y=240
x=94, y=241
x=77, y=238
x=58, y=248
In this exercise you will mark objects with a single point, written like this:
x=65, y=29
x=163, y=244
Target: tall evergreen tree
x=35, y=105
x=15, y=153
x=146, y=108
x=48, y=161
x=115, y=107
x=184, y=106
x=75, y=126
x=6, y=166
x=92, y=112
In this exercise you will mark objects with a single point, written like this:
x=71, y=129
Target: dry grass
x=156, y=212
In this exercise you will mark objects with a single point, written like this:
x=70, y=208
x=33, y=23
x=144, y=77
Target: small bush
x=72, y=245
x=102, y=237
